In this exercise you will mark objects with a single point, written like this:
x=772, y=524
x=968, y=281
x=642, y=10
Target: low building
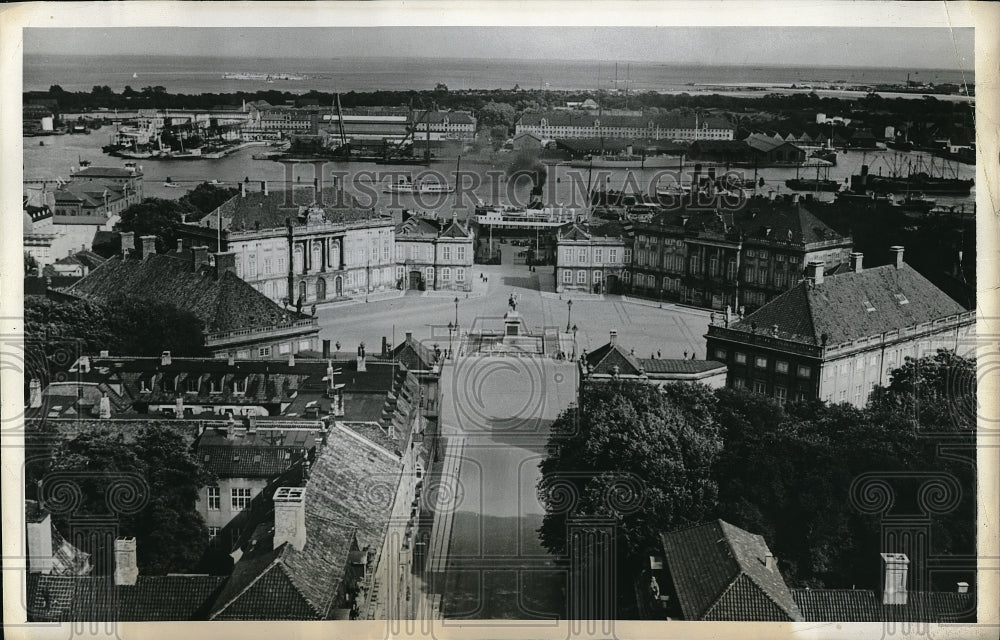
x=835, y=338
x=586, y=124
x=592, y=259
x=38, y=233
x=433, y=254
x=717, y=571
x=238, y=320
x=448, y=125
x=76, y=264
x=129, y=178
x=774, y=151
x=612, y=362
x=528, y=142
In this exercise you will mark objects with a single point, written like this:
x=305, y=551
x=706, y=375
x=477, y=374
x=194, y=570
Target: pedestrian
x=685, y=355
x=658, y=355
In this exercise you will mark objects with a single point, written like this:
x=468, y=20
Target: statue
x=361, y=350
x=512, y=301
x=654, y=588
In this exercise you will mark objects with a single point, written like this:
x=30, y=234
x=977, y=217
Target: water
x=62, y=152
x=188, y=74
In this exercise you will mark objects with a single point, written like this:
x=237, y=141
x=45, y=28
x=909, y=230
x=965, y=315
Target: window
x=460, y=253
x=741, y=358
x=627, y=258
x=780, y=366
x=215, y=384
x=214, y=500
x=264, y=352
x=804, y=371
x=581, y=256
x=400, y=253
x=192, y=383
x=446, y=252
x=761, y=362
x=598, y=255
x=720, y=354
x=868, y=305
x=567, y=276
x=460, y=274
x=860, y=364
x=612, y=255
x=170, y=383
x=759, y=387
x=239, y=385
x=213, y=532
x=240, y=498
x=598, y=276
x=445, y=274
x=780, y=394
x=739, y=383
x=901, y=299
x=385, y=252
x=267, y=266
x=581, y=277
x=857, y=394
x=304, y=345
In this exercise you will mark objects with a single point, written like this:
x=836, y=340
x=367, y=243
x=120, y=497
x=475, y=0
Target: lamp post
x=569, y=313
x=574, y=342
x=451, y=329
x=456, y=313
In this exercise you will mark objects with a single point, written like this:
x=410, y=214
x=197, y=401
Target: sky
x=912, y=47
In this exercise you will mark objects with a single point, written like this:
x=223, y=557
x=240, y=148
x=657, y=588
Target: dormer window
x=192, y=383
x=215, y=384
x=868, y=306
x=170, y=382
x=901, y=299
x=240, y=385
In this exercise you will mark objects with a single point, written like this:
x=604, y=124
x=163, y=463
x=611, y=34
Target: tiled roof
x=349, y=493
x=414, y=355
x=223, y=304
x=248, y=461
x=86, y=598
x=678, y=365
x=603, y=360
x=838, y=308
x=718, y=573
x=85, y=258
x=256, y=210
x=864, y=605
x=765, y=143
x=418, y=227
x=456, y=229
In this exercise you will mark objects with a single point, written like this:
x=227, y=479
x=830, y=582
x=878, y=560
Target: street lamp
x=456, y=313
x=574, y=342
x=569, y=313
x=451, y=328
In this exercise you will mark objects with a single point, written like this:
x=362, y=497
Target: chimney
x=126, y=570
x=290, y=517
x=856, y=261
x=614, y=338
x=795, y=198
x=361, y=358
x=815, y=272
x=105, y=353
x=897, y=251
x=105, y=407
x=243, y=189
x=770, y=562
x=963, y=587
x=770, y=195
x=40, y=545
x=231, y=360
x=409, y=336
x=35, y=396
x=224, y=261
x=180, y=245
x=291, y=359
x=263, y=187
x=165, y=359
x=147, y=246
x=251, y=423
x=896, y=565
x=326, y=349
x=199, y=256
x=128, y=243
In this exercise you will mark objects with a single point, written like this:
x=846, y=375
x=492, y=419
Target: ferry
x=535, y=216
x=423, y=188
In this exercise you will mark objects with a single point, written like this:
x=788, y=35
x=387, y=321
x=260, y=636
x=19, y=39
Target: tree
x=441, y=88
x=497, y=113
x=148, y=327
x=165, y=479
x=666, y=442
x=206, y=197
x=498, y=136
x=155, y=217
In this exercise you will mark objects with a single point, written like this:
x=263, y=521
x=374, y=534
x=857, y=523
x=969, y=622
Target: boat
x=809, y=184
x=215, y=182
x=626, y=161
x=170, y=183
x=855, y=197
x=534, y=216
x=918, y=181
x=827, y=155
x=135, y=75
x=917, y=204
x=423, y=188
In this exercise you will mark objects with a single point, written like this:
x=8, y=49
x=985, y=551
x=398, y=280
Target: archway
x=338, y=286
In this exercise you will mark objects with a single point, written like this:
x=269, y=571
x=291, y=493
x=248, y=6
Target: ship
x=809, y=184
x=269, y=77
x=534, y=216
x=916, y=182
x=422, y=188
x=625, y=161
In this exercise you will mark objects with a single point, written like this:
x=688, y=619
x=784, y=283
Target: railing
x=214, y=338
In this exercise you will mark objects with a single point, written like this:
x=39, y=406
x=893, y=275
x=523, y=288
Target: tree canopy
x=163, y=480
x=155, y=217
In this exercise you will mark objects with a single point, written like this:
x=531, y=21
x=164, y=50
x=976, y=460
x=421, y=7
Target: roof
x=224, y=304
x=231, y=459
x=864, y=605
x=456, y=230
x=84, y=258
x=838, y=308
x=581, y=231
x=678, y=365
x=765, y=143
x=349, y=494
x=414, y=355
x=54, y=598
x=604, y=359
x=273, y=211
x=418, y=227
x=718, y=573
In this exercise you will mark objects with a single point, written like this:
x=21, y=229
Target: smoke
x=526, y=163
